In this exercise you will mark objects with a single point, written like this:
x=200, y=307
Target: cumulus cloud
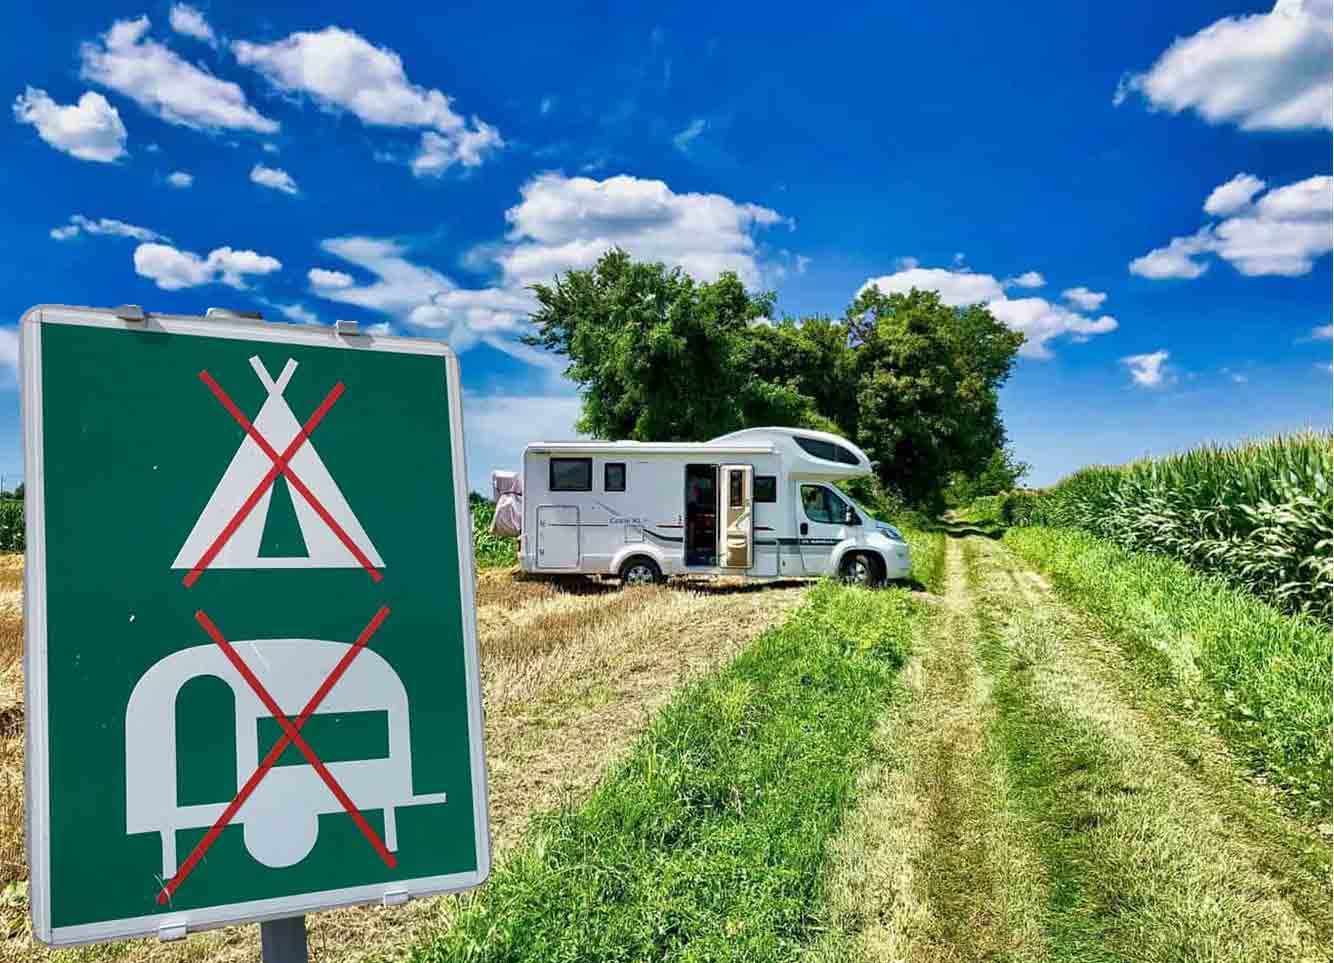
x=274, y=178
x=1266, y=71
x=78, y=224
x=1084, y=299
x=90, y=130
x=330, y=280
x=1039, y=320
x=1029, y=279
x=1279, y=232
x=437, y=153
x=159, y=81
x=559, y=224
x=186, y=20
x=563, y=223
x=173, y=269
x=341, y=70
x=180, y=179
x=1234, y=195
x=1324, y=332
x=1148, y=370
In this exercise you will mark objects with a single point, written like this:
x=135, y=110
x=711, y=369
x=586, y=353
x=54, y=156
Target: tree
x=659, y=356
x=812, y=357
x=1001, y=473
x=927, y=382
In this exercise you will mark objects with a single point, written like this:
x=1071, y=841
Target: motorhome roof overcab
x=758, y=503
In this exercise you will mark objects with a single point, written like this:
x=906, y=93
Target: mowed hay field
x=571, y=676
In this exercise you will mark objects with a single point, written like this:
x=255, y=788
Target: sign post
x=251, y=654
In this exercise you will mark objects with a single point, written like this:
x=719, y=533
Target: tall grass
x=1264, y=676
x=1260, y=515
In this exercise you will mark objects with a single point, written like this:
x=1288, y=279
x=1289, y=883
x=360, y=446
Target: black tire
x=640, y=570
x=861, y=568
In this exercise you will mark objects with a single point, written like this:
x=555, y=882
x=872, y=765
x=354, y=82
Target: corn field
x=1260, y=515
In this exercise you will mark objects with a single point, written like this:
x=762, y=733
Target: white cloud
x=1177, y=259
x=78, y=224
x=341, y=70
x=1259, y=71
x=1039, y=320
x=90, y=130
x=1280, y=232
x=186, y=20
x=9, y=350
x=437, y=153
x=956, y=288
x=172, y=269
x=1029, y=279
x=498, y=426
x=322, y=278
x=1233, y=196
x=180, y=179
x=1084, y=299
x=159, y=81
x=558, y=225
x=274, y=178
x=298, y=313
x=1148, y=370
x=683, y=138
x=563, y=223
x=1323, y=333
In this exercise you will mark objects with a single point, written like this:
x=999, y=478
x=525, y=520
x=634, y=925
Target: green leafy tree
x=659, y=356
x=927, y=382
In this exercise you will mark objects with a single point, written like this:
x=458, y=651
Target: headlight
x=892, y=533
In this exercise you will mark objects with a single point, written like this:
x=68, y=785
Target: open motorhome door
x=736, y=536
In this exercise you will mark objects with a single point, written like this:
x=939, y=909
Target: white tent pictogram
x=278, y=426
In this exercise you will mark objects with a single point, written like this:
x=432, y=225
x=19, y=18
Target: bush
x=11, y=525
x=1259, y=515
x=490, y=551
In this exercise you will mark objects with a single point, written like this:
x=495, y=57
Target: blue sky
x=1132, y=185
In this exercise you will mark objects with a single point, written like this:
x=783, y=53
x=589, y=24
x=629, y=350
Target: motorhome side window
x=613, y=476
x=766, y=488
x=822, y=505
x=571, y=475
x=827, y=450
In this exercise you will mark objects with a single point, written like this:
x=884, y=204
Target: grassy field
x=1263, y=677
x=707, y=842
x=1036, y=795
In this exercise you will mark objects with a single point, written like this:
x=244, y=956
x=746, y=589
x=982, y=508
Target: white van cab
x=758, y=503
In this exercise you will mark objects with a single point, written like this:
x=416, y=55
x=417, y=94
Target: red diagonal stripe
x=280, y=462
x=268, y=761
x=276, y=711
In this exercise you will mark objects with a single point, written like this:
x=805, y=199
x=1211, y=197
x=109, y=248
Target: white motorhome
x=759, y=503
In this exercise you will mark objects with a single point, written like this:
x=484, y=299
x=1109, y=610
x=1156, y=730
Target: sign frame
x=169, y=924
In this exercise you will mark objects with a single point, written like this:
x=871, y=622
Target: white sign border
x=37, y=759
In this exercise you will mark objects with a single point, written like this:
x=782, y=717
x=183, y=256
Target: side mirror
x=850, y=517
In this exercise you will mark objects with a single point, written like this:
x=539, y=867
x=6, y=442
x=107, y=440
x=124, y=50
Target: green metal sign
x=251, y=656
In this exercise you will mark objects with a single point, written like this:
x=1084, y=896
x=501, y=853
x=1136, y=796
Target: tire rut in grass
x=1147, y=855
x=934, y=863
